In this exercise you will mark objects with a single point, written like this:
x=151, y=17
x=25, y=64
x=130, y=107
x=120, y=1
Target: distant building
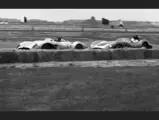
x=121, y=24
x=92, y=21
x=118, y=23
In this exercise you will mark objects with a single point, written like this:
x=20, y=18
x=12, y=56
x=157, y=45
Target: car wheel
x=146, y=45
x=79, y=46
x=48, y=46
x=24, y=48
x=119, y=46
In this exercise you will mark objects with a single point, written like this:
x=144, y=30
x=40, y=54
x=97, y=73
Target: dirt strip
x=105, y=64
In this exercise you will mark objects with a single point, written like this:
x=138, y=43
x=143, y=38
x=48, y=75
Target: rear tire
x=79, y=46
x=119, y=46
x=146, y=45
x=48, y=46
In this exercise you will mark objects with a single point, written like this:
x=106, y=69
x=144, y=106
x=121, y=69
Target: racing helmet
x=136, y=37
x=58, y=39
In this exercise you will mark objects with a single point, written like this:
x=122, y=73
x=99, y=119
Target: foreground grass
x=77, y=88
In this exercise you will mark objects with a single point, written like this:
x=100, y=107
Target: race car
x=50, y=43
x=134, y=42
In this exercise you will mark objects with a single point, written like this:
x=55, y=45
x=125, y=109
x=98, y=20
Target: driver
x=135, y=38
x=58, y=39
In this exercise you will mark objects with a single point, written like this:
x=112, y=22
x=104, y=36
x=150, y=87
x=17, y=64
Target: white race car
x=49, y=43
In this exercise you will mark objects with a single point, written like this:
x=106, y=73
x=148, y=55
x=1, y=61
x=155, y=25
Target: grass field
x=79, y=88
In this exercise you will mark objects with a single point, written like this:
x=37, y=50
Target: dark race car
x=134, y=42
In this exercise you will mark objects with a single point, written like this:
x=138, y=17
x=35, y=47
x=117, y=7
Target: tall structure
x=25, y=19
x=105, y=21
x=118, y=23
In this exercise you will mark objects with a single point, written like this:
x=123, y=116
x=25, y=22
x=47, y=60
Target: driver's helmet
x=136, y=37
x=58, y=39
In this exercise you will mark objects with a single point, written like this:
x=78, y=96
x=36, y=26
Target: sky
x=59, y=15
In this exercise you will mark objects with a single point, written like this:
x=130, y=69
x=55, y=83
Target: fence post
x=32, y=31
x=82, y=29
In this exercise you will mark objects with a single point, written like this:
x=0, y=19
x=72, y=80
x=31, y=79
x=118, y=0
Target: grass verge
x=77, y=88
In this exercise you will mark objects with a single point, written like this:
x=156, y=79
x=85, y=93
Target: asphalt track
x=65, y=28
x=140, y=32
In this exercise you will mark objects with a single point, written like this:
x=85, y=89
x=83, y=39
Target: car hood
x=29, y=44
x=101, y=44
